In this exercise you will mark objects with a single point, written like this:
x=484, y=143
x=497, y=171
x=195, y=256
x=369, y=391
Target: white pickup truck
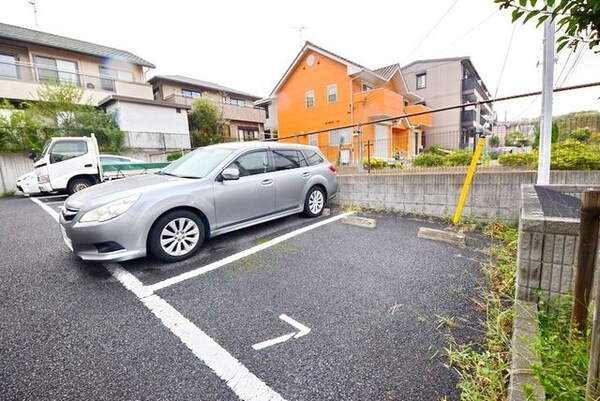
x=73, y=163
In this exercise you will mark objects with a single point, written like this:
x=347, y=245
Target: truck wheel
x=176, y=236
x=77, y=185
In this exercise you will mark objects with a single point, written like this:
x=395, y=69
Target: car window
x=197, y=164
x=111, y=160
x=66, y=150
x=313, y=157
x=252, y=163
x=288, y=159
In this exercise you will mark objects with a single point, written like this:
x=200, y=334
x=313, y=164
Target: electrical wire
x=563, y=69
x=472, y=29
x=432, y=29
x=578, y=58
x=512, y=35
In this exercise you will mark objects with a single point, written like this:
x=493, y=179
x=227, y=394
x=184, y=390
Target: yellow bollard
x=467, y=183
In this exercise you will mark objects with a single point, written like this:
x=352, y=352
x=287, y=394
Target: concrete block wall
x=493, y=195
x=548, y=247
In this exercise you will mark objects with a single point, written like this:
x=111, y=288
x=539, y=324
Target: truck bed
x=121, y=170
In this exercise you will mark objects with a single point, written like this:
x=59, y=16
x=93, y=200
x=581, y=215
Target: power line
x=432, y=29
x=473, y=28
x=578, y=58
x=505, y=59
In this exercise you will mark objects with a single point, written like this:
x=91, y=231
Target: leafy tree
x=554, y=136
x=494, y=141
x=206, y=123
x=579, y=20
x=56, y=102
x=19, y=130
x=516, y=138
x=87, y=120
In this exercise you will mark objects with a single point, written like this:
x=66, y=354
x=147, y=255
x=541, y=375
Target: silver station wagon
x=208, y=192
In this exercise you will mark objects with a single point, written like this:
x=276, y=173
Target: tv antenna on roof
x=300, y=29
x=32, y=2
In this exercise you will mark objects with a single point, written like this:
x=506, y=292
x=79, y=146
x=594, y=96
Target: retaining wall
x=493, y=195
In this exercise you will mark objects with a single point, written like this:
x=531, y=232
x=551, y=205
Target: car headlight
x=110, y=210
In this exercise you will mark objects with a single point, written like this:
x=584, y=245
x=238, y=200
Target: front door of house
x=382, y=136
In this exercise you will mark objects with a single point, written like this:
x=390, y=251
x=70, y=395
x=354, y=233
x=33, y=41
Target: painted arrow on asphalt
x=303, y=331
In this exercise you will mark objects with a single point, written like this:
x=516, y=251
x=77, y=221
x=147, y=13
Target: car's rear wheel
x=78, y=184
x=176, y=236
x=314, y=202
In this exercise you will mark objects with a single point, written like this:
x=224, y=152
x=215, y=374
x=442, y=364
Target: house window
x=313, y=140
x=340, y=137
x=332, y=93
x=8, y=66
x=247, y=133
x=190, y=94
x=109, y=75
x=57, y=70
x=366, y=87
x=421, y=80
x=309, y=99
x=234, y=101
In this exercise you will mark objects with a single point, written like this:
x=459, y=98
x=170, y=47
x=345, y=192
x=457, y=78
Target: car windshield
x=198, y=163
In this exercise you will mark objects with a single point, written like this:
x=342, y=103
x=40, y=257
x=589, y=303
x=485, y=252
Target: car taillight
x=332, y=168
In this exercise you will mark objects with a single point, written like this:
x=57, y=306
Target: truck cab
x=68, y=164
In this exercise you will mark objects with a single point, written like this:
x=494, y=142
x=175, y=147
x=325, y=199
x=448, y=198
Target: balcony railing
x=230, y=111
x=37, y=73
x=472, y=90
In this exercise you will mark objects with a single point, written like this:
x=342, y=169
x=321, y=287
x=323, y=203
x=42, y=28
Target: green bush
x=174, y=156
x=375, y=163
x=581, y=135
x=574, y=155
x=459, y=158
x=428, y=159
x=494, y=141
x=518, y=159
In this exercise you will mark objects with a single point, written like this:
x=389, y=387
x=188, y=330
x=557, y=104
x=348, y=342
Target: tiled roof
x=60, y=42
x=387, y=72
x=436, y=60
x=204, y=84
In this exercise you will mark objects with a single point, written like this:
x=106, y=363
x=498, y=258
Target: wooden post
x=586, y=257
x=592, y=199
x=368, y=145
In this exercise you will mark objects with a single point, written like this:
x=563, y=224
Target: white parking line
x=230, y=259
x=53, y=196
x=238, y=378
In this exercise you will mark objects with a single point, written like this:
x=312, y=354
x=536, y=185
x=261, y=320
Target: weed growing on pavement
x=7, y=194
x=353, y=208
x=483, y=366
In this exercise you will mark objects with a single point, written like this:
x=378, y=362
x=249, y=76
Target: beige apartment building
x=450, y=82
x=111, y=78
x=243, y=121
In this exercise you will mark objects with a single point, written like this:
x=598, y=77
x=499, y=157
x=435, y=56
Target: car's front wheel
x=314, y=202
x=176, y=236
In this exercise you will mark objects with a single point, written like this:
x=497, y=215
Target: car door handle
x=266, y=182
x=87, y=165
x=305, y=175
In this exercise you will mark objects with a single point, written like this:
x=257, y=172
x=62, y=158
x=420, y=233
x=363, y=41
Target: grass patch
x=564, y=355
x=7, y=194
x=483, y=366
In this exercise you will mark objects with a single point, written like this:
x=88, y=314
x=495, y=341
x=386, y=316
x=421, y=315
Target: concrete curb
x=360, y=221
x=523, y=356
x=441, y=235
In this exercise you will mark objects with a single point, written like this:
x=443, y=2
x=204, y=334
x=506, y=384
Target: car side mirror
x=230, y=174
x=32, y=154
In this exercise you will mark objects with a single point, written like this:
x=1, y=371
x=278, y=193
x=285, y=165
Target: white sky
x=248, y=45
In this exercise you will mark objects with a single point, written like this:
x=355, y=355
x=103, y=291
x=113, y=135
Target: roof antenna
x=300, y=29
x=32, y=2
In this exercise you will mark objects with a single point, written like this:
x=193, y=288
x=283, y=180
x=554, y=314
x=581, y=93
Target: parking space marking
x=240, y=255
x=238, y=378
x=303, y=331
x=47, y=208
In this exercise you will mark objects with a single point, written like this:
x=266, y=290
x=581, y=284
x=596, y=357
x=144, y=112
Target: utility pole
x=543, y=175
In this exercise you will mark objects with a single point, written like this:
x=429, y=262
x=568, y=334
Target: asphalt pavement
x=370, y=298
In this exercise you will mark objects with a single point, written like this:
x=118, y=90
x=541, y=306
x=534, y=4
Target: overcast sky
x=248, y=45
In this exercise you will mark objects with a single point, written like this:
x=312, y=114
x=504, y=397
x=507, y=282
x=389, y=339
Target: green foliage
x=57, y=101
x=581, y=134
x=494, y=141
x=174, y=156
x=484, y=366
x=459, y=158
x=555, y=136
x=428, y=159
x=437, y=150
x=577, y=20
x=516, y=138
x=563, y=353
x=518, y=159
x=206, y=123
x=20, y=130
x=375, y=163
x=86, y=120
x=8, y=194
x=574, y=155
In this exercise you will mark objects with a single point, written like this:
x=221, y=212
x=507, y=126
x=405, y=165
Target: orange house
x=346, y=109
